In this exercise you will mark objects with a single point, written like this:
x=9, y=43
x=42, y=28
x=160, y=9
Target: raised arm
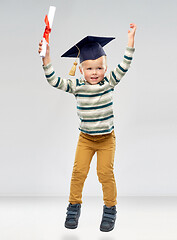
x=66, y=85
x=116, y=75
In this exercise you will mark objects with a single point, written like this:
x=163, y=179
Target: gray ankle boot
x=73, y=215
x=108, y=219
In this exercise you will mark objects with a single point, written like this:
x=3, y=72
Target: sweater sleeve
x=115, y=76
x=66, y=85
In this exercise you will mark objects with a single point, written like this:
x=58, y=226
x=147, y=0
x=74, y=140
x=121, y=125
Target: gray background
x=39, y=125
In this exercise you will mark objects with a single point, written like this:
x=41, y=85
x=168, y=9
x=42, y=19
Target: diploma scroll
x=49, y=22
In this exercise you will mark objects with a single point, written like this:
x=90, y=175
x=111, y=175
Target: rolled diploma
x=51, y=15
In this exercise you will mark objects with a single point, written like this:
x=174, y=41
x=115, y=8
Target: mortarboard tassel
x=73, y=69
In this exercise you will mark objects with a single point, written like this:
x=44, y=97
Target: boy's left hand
x=131, y=34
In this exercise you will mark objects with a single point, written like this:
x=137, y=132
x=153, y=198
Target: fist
x=132, y=32
x=40, y=48
x=45, y=59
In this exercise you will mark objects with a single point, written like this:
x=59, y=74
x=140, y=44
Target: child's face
x=94, y=70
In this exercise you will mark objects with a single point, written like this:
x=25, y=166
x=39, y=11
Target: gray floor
x=42, y=218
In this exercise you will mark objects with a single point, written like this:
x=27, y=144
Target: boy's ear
x=106, y=69
x=80, y=70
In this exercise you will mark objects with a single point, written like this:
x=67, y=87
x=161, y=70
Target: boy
x=93, y=93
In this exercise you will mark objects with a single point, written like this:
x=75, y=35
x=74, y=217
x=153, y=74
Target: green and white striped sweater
x=94, y=102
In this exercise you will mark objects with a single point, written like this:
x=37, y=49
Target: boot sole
x=70, y=227
x=106, y=230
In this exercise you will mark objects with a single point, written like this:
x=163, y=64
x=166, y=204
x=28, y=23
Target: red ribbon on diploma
x=47, y=30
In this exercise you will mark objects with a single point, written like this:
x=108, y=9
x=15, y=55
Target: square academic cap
x=89, y=48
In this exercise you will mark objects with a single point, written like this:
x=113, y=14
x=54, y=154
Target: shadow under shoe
x=108, y=219
x=73, y=214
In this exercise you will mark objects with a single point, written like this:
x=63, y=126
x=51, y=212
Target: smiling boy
x=93, y=93
x=94, y=70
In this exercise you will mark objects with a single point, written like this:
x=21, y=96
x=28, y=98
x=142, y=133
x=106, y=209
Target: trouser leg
x=105, y=166
x=83, y=157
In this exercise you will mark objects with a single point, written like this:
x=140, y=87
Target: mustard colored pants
x=87, y=145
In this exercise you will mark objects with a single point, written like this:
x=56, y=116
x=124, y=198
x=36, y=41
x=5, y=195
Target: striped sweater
x=94, y=102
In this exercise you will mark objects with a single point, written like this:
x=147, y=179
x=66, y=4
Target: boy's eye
x=88, y=68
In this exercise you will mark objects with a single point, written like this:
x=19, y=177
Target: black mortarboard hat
x=89, y=48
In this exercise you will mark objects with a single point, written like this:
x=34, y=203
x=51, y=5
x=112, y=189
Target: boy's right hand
x=46, y=60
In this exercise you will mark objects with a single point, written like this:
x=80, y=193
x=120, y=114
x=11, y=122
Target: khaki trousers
x=87, y=145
